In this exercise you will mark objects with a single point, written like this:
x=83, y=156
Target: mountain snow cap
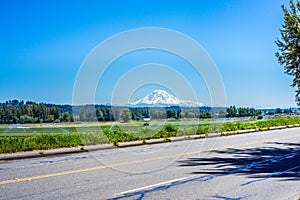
x=161, y=97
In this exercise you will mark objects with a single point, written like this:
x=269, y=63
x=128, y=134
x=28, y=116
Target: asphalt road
x=262, y=165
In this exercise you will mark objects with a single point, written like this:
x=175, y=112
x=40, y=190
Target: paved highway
x=262, y=165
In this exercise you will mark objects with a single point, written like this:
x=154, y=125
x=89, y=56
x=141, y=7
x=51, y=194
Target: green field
x=48, y=136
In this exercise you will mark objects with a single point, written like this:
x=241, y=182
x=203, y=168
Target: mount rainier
x=163, y=98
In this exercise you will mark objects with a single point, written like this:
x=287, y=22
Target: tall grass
x=33, y=142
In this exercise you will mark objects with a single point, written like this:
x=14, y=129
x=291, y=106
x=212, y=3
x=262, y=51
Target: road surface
x=262, y=165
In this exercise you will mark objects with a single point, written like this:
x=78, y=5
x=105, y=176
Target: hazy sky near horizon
x=44, y=43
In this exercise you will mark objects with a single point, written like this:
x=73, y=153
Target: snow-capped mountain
x=163, y=98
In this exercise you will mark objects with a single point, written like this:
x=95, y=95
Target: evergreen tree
x=125, y=115
x=289, y=44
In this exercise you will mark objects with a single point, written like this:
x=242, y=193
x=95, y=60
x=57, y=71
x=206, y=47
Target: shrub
x=170, y=128
x=202, y=129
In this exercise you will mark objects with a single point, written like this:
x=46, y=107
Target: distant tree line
x=28, y=113
x=285, y=111
x=14, y=111
x=232, y=111
x=124, y=114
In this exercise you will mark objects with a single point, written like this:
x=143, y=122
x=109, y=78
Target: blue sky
x=44, y=43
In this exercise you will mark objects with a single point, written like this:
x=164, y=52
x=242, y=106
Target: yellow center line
x=15, y=180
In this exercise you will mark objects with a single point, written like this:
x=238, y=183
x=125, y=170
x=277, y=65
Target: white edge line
x=150, y=186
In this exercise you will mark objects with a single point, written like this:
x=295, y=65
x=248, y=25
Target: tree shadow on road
x=281, y=162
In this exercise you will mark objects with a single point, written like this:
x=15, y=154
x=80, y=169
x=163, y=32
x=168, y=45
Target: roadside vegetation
x=27, y=139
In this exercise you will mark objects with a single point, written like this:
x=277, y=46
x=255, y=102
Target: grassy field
x=28, y=137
